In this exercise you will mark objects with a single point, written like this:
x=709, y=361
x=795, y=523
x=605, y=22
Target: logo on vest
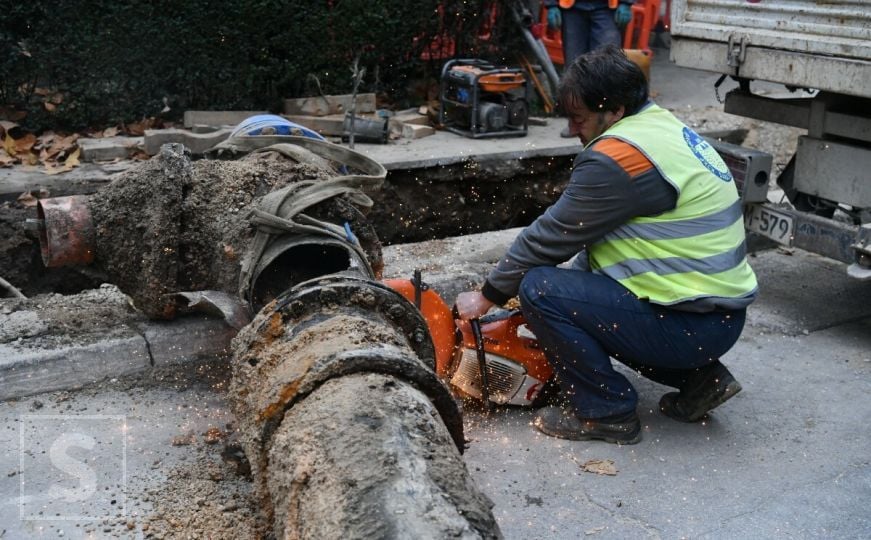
x=707, y=155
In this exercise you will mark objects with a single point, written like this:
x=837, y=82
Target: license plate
x=778, y=226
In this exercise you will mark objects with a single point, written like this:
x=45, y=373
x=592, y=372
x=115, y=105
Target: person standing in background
x=587, y=24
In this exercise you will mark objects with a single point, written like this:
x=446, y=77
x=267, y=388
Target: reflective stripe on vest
x=696, y=250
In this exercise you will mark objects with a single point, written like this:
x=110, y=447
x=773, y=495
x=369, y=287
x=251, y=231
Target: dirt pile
x=172, y=225
x=54, y=320
x=205, y=500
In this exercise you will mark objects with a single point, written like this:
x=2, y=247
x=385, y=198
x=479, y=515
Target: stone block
x=108, y=148
x=217, y=118
x=197, y=143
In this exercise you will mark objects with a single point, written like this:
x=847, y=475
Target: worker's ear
x=612, y=118
x=618, y=114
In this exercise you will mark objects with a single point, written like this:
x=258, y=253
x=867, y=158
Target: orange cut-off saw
x=515, y=369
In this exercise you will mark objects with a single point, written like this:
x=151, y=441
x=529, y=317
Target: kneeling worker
x=662, y=282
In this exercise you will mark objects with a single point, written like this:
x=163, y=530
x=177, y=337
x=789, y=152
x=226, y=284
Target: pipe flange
x=334, y=291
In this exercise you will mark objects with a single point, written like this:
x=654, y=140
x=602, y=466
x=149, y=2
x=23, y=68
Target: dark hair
x=603, y=80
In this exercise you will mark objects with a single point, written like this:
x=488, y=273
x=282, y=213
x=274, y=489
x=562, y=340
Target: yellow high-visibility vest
x=697, y=250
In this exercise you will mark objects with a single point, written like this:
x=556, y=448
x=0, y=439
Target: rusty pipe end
x=66, y=232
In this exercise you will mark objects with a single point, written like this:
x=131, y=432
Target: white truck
x=820, y=50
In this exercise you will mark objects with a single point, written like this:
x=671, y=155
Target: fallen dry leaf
x=600, y=466
x=5, y=159
x=27, y=200
x=72, y=160
x=50, y=107
x=25, y=143
x=62, y=145
x=9, y=145
x=30, y=159
x=110, y=132
x=45, y=140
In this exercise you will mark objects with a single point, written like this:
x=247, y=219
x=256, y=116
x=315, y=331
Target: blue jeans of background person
x=582, y=319
x=587, y=26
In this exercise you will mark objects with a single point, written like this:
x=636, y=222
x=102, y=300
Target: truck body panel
x=825, y=45
x=819, y=45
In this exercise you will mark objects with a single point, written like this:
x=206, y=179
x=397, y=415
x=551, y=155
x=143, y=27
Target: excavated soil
x=56, y=320
x=170, y=225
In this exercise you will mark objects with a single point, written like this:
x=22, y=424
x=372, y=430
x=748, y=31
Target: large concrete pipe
x=349, y=432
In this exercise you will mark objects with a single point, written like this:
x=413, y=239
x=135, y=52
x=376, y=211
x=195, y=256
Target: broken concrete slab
x=187, y=338
x=411, y=117
x=197, y=143
x=217, y=118
x=86, y=178
x=108, y=148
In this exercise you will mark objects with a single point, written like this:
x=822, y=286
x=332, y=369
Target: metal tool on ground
x=544, y=93
x=479, y=99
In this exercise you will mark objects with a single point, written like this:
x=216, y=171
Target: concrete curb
x=449, y=266
x=36, y=371
x=27, y=370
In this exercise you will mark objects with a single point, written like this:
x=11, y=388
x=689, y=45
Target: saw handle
x=482, y=363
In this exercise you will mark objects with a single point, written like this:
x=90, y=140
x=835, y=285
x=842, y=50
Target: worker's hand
x=554, y=17
x=623, y=15
x=471, y=305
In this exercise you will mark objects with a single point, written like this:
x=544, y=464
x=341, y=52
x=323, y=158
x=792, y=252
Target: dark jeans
x=587, y=28
x=581, y=319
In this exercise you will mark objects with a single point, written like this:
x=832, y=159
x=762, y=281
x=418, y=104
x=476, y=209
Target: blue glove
x=622, y=16
x=554, y=18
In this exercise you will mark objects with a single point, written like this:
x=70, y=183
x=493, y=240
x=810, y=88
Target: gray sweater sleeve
x=599, y=197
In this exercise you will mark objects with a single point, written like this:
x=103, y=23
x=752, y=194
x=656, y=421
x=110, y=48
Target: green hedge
x=110, y=61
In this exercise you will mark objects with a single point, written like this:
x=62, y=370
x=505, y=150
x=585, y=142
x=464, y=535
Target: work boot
x=562, y=423
x=706, y=390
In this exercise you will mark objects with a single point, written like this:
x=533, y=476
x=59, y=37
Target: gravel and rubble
x=55, y=320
